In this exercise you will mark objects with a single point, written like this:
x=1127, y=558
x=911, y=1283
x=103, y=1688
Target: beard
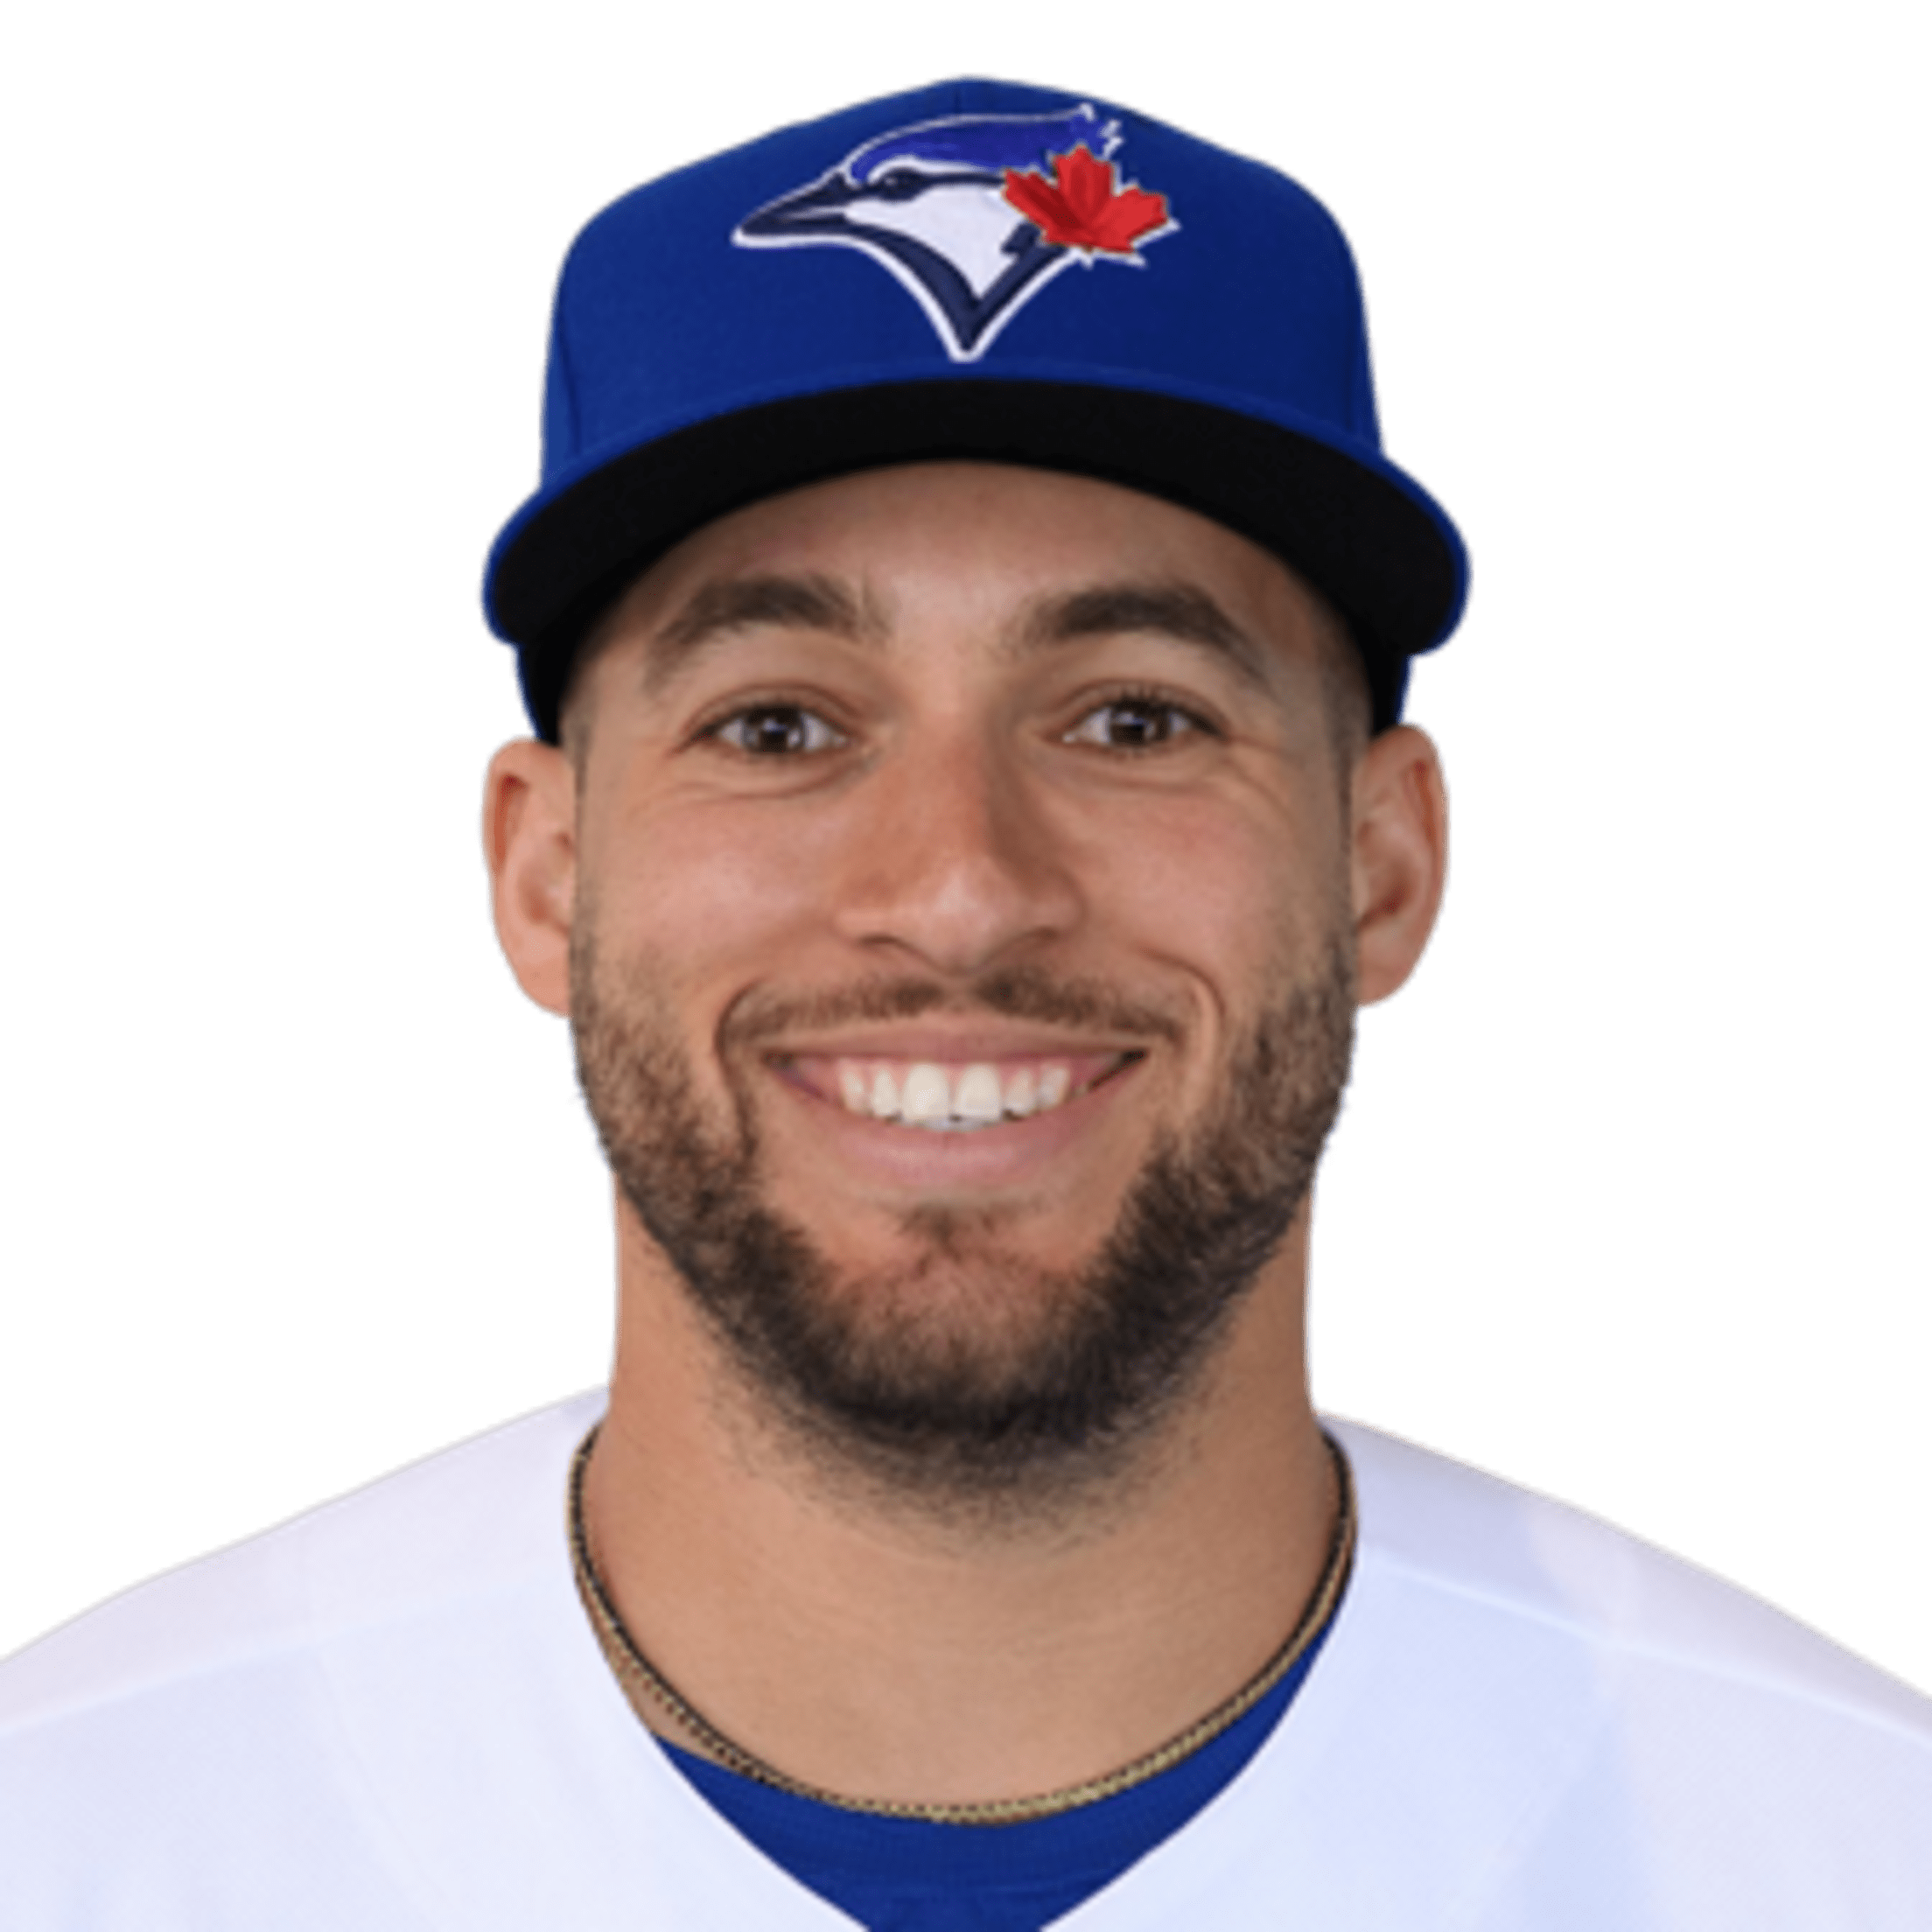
x=969, y=1378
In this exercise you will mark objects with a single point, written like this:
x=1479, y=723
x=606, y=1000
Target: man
x=965, y=620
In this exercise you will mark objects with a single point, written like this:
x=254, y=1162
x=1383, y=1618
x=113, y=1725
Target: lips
x=952, y=1096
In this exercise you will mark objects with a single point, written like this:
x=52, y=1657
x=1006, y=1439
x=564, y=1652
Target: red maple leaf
x=1084, y=205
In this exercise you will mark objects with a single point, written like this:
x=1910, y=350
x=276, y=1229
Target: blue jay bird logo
x=965, y=213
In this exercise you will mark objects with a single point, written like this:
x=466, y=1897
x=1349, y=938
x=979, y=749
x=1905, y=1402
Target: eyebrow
x=1182, y=612
x=1179, y=611
x=717, y=610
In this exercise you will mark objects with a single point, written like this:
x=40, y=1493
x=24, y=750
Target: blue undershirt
x=908, y=1875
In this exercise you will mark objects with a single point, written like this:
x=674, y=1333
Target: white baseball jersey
x=391, y=1716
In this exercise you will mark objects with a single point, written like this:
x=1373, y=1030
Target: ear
x=1399, y=857
x=530, y=840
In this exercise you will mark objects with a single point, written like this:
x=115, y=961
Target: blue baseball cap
x=970, y=270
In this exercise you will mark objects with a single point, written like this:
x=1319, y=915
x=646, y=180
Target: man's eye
x=1133, y=724
x=777, y=731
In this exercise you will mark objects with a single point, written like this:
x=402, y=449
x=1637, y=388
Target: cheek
x=700, y=886
x=1219, y=893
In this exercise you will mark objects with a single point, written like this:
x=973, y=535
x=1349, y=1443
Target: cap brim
x=1368, y=537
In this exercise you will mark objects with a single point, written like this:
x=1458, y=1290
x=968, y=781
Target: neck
x=867, y=1647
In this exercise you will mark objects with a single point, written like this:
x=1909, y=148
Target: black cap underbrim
x=1370, y=541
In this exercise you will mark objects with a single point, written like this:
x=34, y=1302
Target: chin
x=959, y=1368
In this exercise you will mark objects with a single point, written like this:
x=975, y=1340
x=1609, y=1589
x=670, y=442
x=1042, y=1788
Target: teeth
x=926, y=1098
x=941, y=1099
x=977, y=1100
x=853, y=1087
x=1022, y=1092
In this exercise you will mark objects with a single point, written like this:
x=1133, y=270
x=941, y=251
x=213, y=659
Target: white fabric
x=392, y=1714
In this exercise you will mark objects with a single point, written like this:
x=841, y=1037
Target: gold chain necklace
x=642, y=1681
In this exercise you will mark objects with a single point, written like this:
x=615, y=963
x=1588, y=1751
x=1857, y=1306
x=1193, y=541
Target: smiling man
x=950, y=881
x=965, y=619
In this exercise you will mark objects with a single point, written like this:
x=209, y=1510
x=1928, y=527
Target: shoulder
x=397, y=1550
x=1453, y=1534
x=1523, y=1717
x=390, y=1713
x=1524, y=1707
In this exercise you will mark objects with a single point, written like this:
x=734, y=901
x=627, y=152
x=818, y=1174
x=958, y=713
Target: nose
x=954, y=863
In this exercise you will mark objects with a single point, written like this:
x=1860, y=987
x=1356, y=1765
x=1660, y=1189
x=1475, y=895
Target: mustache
x=1017, y=992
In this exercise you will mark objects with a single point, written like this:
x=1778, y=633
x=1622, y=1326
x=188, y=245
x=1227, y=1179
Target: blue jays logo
x=974, y=215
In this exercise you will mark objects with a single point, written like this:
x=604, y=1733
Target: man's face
x=961, y=962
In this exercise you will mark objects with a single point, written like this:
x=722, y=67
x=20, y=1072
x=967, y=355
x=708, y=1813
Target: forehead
x=973, y=544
